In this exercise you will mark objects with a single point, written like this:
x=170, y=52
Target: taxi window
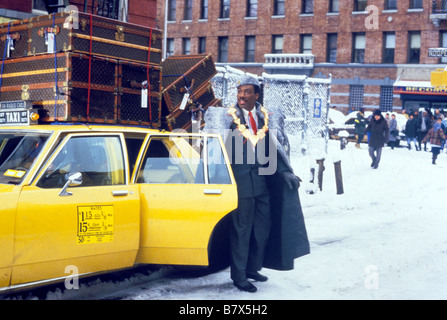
x=99, y=159
x=185, y=160
x=17, y=154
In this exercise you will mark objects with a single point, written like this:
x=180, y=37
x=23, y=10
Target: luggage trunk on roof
x=77, y=87
x=91, y=34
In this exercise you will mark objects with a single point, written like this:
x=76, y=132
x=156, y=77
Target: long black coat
x=379, y=132
x=411, y=128
x=288, y=236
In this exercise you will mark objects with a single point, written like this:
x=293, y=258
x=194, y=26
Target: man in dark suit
x=255, y=158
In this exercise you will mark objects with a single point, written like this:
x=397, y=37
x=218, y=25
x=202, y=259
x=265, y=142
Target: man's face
x=246, y=97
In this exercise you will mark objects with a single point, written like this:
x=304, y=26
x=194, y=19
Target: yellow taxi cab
x=104, y=197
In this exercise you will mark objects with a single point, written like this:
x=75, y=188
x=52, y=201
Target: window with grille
x=224, y=9
x=386, y=98
x=277, y=43
x=356, y=97
x=279, y=8
x=331, y=48
x=169, y=47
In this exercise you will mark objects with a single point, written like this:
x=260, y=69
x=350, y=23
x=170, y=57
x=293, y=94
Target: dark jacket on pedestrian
x=411, y=128
x=378, y=130
x=360, y=123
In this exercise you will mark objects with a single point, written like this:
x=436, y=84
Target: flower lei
x=245, y=131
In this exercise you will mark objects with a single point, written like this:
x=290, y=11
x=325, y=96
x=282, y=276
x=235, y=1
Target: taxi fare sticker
x=14, y=173
x=95, y=224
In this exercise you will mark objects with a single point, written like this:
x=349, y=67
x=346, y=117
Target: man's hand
x=291, y=180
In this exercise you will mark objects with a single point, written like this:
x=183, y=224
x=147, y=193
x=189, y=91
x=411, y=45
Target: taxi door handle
x=120, y=193
x=212, y=191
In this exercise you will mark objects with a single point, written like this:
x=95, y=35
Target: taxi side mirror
x=74, y=179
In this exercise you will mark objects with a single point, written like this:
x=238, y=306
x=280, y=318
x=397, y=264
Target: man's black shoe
x=245, y=286
x=257, y=276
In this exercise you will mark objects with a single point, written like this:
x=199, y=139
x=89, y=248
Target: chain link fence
x=303, y=101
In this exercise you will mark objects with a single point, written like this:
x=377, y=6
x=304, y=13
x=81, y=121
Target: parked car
x=104, y=197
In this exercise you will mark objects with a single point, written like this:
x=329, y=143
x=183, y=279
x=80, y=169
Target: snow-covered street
x=383, y=238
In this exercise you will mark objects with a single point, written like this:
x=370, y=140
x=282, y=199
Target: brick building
x=141, y=12
x=372, y=48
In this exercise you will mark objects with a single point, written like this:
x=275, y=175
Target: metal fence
x=303, y=101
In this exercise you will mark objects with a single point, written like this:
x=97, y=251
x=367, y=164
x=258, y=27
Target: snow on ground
x=383, y=238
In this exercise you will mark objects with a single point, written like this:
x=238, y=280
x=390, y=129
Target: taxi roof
x=80, y=127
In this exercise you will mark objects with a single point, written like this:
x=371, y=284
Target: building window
x=331, y=48
x=169, y=47
x=308, y=6
x=414, y=46
x=391, y=5
x=415, y=4
x=224, y=9
x=204, y=9
x=358, y=54
x=252, y=8
x=306, y=43
x=202, y=45
x=187, y=13
x=356, y=97
x=279, y=7
x=277, y=44
x=186, y=46
x=250, y=46
x=386, y=98
x=334, y=6
x=360, y=5
x=443, y=44
x=171, y=10
x=223, y=49
x=389, y=44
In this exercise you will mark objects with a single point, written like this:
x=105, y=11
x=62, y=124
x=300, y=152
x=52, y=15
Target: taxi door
x=80, y=229
x=186, y=188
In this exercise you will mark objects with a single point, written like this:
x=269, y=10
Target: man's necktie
x=252, y=123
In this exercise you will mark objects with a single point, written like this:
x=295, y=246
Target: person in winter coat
x=394, y=131
x=411, y=130
x=435, y=136
x=424, y=127
x=360, y=125
x=378, y=129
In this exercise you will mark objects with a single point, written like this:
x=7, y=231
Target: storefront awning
x=417, y=87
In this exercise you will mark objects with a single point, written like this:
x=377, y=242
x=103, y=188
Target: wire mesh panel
x=302, y=101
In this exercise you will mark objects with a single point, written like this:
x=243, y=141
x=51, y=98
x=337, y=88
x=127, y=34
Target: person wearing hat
x=379, y=133
x=267, y=229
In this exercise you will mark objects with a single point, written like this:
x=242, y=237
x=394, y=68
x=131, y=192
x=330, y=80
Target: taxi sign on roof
x=17, y=113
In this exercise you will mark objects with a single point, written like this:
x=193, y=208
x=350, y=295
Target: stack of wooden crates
x=98, y=70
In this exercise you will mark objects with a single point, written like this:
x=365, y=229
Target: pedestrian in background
x=424, y=127
x=360, y=126
x=411, y=130
x=435, y=136
x=394, y=131
x=378, y=129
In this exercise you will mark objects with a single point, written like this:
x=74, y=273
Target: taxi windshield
x=17, y=154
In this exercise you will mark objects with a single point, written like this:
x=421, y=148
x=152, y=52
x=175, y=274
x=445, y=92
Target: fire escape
x=438, y=12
